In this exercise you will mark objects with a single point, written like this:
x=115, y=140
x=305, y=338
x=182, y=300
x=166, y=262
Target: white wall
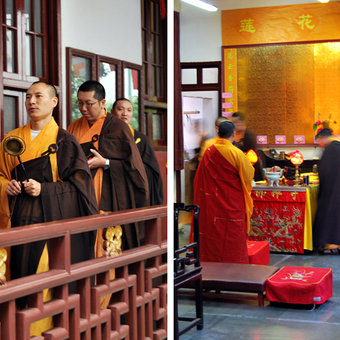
x=200, y=34
x=111, y=28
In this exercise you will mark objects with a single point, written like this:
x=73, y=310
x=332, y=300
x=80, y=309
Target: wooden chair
x=187, y=271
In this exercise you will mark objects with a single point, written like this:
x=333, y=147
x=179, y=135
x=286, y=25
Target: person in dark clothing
x=123, y=109
x=326, y=234
x=245, y=140
x=118, y=173
x=56, y=183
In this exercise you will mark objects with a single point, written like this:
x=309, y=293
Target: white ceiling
x=235, y=4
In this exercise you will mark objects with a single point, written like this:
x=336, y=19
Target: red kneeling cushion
x=300, y=285
x=258, y=252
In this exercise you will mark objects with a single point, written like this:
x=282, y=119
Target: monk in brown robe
x=222, y=189
x=117, y=169
x=59, y=185
x=122, y=108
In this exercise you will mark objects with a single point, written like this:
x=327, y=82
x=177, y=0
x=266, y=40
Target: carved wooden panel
x=137, y=307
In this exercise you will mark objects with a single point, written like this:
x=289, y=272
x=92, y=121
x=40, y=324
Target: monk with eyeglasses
x=117, y=169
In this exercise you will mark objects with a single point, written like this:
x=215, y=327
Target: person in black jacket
x=326, y=232
x=245, y=139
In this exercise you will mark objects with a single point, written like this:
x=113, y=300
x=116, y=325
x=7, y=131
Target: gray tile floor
x=243, y=319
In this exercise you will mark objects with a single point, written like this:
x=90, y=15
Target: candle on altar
x=252, y=156
x=296, y=158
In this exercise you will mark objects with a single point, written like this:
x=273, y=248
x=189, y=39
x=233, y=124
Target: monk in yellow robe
x=222, y=190
x=55, y=184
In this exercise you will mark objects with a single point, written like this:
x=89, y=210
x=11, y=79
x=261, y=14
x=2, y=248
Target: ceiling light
x=323, y=1
x=201, y=4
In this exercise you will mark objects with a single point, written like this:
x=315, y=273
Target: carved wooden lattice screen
x=137, y=308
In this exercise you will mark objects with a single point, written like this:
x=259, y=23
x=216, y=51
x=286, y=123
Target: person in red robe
x=222, y=190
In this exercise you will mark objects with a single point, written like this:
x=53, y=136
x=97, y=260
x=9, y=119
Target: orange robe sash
x=84, y=133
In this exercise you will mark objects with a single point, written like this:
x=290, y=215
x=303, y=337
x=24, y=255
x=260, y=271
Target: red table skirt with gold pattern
x=278, y=217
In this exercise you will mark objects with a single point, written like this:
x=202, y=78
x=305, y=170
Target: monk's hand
x=13, y=188
x=97, y=161
x=32, y=187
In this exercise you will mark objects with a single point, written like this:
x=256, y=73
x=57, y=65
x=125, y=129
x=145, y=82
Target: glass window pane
x=145, y=123
x=158, y=50
x=154, y=77
x=28, y=55
x=156, y=127
x=143, y=15
x=155, y=49
x=210, y=75
x=37, y=15
x=10, y=107
x=143, y=42
x=131, y=92
x=81, y=71
x=107, y=77
x=145, y=70
x=27, y=15
x=153, y=39
x=39, y=57
x=156, y=18
x=10, y=52
x=189, y=76
x=152, y=15
x=9, y=13
x=159, y=82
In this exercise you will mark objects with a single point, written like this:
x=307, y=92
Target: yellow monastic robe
x=205, y=146
x=34, y=149
x=246, y=171
x=84, y=133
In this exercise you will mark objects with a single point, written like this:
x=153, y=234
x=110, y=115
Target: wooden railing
x=137, y=308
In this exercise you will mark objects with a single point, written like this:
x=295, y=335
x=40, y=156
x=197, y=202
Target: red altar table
x=283, y=216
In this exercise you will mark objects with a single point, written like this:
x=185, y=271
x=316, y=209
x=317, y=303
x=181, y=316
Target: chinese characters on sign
x=305, y=21
x=229, y=96
x=247, y=25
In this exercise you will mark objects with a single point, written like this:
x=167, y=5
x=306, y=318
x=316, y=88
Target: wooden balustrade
x=137, y=308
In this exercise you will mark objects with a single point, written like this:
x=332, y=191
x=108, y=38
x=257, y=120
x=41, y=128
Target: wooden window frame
x=95, y=61
x=50, y=31
x=200, y=86
x=138, y=68
x=51, y=56
x=148, y=63
x=119, y=72
x=152, y=103
x=72, y=52
x=20, y=116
